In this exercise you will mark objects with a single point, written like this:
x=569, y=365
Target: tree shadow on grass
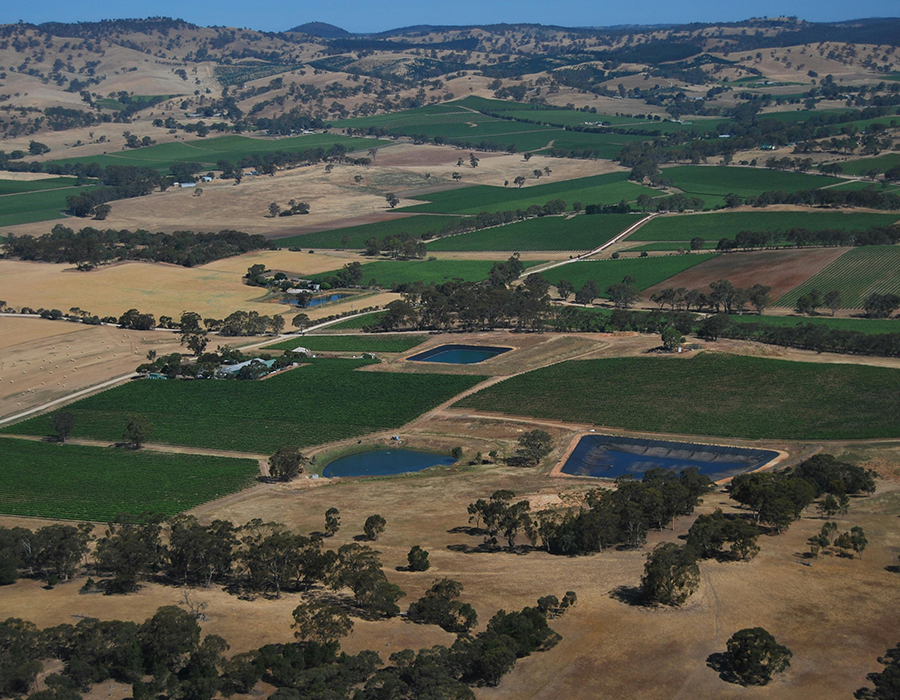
x=630, y=595
x=893, y=569
x=720, y=662
x=467, y=530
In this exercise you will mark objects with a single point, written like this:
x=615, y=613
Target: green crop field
x=645, y=271
x=670, y=246
x=720, y=180
x=864, y=165
x=357, y=236
x=710, y=394
x=358, y=322
x=712, y=227
x=547, y=233
x=323, y=401
x=351, y=343
x=605, y=145
x=207, y=152
x=35, y=205
x=390, y=273
x=75, y=482
x=20, y=186
x=856, y=274
x=860, y=325
x=599, y=189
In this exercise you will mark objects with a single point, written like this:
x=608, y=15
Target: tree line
x=91, y=246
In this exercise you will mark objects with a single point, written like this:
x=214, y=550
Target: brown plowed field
x=782, y=270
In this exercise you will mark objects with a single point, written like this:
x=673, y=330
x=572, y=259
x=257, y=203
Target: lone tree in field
x=754, y=656
x=332, y=521
x=671, y=574
x=285, y=464
x=533, y=447
x=274, y=209
x=418, y=559
x=136, y=432
x=671, y=338
x=320, y=621
x=374, y=526
x=300, y=321
x=392, y=199
x=62, y=423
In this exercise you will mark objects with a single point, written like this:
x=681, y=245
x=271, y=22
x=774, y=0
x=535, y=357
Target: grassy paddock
x=856, y=274
x=598, y=189
x=720, y=180
x=356, y=322
x=208, y=151
x=389, y=273
x=76, y=482
x=351, y=343
x=358, y=235
x=710, y=394
x=320, y=402
x=712, y=227
x=646, y=271
x=860, y=325
x=547, y=233
x=37, y=205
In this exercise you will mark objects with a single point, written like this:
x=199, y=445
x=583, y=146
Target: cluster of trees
x=886, y=682
x=472, y=305
x=829, y=536
x=622, y=516
x=779, y=498
x=168, y=657
x=93, y=246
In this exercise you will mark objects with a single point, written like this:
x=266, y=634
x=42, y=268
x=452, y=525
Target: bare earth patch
x=782, y=270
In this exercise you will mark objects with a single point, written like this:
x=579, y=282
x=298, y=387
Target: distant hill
x=321, y=29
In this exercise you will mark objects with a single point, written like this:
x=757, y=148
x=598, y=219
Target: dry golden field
x=213, y=290
x=836, y=616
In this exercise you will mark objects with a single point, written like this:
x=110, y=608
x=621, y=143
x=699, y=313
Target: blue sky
x=368, y=15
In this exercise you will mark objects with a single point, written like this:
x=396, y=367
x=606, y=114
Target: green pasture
x=22, y=186
x=712, y=227
x=356, y=236
x=711, y=394
x=392, y=273
x=37, y=205
x=207, y=152
x=722, y=180
x=546, y=233
x=860, y=325
x=351, y=343
x=598, y=189
x=75, y=482
x=856, y=274
x=864, y=165
x=645, y=271
x=323, y=401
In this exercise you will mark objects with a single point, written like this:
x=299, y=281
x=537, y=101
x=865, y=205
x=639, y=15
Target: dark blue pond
x=317, y=301
x=385, y=463
x=459, y=354
x=609, y=457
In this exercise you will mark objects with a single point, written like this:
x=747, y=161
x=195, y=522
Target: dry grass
x=213, y=290
x=837, y=616
x=46, y=360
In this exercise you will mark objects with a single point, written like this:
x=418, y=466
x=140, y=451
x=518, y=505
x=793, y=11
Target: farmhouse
x=235, y=370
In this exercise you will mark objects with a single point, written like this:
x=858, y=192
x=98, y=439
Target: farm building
x=235, y=370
